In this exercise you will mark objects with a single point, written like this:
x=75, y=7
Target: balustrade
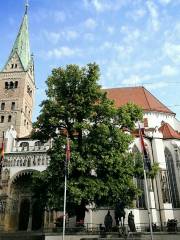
x=26, y=160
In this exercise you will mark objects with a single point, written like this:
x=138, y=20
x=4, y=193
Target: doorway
x=24, y=215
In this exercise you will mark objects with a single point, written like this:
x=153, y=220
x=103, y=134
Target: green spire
x=21, y=45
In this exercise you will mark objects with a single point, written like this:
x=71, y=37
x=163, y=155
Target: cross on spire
x=26, y=6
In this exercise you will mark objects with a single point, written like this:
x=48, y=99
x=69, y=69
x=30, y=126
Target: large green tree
x=101, y=168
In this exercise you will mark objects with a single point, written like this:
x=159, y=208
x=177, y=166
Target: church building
x=22, y=155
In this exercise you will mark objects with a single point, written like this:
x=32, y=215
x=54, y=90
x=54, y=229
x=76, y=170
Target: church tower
x=17, y=85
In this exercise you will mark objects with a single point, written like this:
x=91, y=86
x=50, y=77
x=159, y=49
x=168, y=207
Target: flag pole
x=146, y=185
x=148, y=204
x=64, y=212
x=65, y=184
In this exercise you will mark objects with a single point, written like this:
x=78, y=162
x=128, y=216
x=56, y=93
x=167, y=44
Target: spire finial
x=26, y=6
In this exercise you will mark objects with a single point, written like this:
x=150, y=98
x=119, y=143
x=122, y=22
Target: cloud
x=112, y=75
x=110, y=29
x=89, y=37
x=172, y=51
x=121, y=50
x=156, y=85
x=105, y=5
x=59, y=16
x=43, y=14
x=70, y=34
x=168, y=71
x=132, y=80
x=154, y=15
x=131, y=35
x=63, y=52
x=90, y=23
x=164, y=2
x=54, y=37
x=136, y=14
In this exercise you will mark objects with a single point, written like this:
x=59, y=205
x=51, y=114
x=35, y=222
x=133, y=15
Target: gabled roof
x=168, y=132
x=21, y=45
x=138, y=95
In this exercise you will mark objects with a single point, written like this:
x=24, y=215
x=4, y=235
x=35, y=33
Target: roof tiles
x=168, y=132
x=137, y=95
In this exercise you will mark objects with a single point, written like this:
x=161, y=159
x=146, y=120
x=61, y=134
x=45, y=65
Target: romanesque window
x=29, y=91
x=13, y=106
x=9, y=118
x=2, y=106
x=15, y=65
x=6, y=85
x=25, y=122
x=2, y=119
x=11, y=85
x=172, y=179
x=12, y=65
x=16, y=84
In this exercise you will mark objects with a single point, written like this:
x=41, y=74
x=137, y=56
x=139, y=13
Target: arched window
x=16, y=84
x=140, y=202
x=24, y=146
x=2, y=119
x=11, y=85
x=2, y=106
x=172, y=178
x=6, y=85
x=13, y=106
x=9, y=118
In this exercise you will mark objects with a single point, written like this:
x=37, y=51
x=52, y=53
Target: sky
x=135, y=42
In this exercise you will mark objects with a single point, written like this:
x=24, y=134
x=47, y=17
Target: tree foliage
x=101, y=168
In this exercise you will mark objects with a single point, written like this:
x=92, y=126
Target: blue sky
x=135, y=42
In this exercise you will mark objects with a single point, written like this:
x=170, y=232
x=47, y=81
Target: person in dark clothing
x=108, y=222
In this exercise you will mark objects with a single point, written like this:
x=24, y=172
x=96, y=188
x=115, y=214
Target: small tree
x=101, y=168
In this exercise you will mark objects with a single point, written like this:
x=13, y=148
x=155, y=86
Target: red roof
x=168, y=132
x=137, y=95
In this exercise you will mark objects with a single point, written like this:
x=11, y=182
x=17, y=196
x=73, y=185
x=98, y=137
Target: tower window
x=2, y=119
x=27, y=125
x=13, y=106
x=25, y=122
x=16, y=84
x=11, y=85
x=12, y=65
x=2, y=106
x=6, y=85
x=15, y=65
x=9, y=118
